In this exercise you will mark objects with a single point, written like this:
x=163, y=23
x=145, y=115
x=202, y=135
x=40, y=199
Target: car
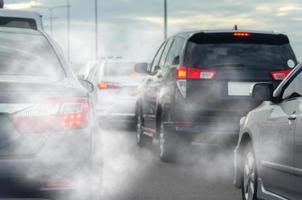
x=268, y=154
x=198, y=86
x=21, y=19
x=117, y=84
x=47, y=119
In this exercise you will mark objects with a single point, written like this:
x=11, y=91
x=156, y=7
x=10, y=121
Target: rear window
x=28, y=55
x=119, y=68
x=18, y=23
x=262, y=51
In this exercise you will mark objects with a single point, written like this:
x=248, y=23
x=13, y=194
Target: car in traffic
x=21, y=19
x=198, y=86
x=269, y=151
x=117, y=84
x=46, y=116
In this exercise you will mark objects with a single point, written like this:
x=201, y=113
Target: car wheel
x=249, y=176
x=141, y=139
x=167, y=145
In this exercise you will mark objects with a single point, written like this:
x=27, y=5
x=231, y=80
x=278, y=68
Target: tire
x=249, y=175
x=168, y=144
x=142, y=140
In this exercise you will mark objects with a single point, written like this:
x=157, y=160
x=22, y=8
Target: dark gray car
x=268, y=162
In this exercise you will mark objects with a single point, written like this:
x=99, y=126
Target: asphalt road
x=133, y=173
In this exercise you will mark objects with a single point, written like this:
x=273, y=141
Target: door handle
x=292, y=117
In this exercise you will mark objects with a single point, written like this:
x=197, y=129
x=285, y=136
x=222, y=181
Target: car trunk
x=237, y=64
x=19, y=96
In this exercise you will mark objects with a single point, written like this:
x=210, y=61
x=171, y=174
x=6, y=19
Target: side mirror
x=87, y=84
x=263, y=92
x=141, y=68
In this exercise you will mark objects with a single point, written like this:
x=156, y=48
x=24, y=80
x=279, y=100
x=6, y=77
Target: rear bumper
x=61, y=159
x=120, y=111
x=204, y=133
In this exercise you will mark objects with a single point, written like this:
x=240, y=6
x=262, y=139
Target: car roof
x=23, y=14
x=188, y=34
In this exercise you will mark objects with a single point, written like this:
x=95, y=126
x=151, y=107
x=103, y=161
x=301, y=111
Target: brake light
x=242, y=34
x=108, y=85
x=195, y=73
x=53, y=115
x=279, y=75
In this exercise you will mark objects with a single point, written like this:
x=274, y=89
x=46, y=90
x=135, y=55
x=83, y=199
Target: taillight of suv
x=194, y=73
x=53, y=115
x=190, y=73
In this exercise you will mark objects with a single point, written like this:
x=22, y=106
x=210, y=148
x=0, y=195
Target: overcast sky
x=134, y=28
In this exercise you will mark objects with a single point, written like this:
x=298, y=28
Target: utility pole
x=165, y=19
x=96, y=29
x=68, y=29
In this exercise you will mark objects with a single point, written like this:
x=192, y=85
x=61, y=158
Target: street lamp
x=96, y=29
x=68, y=29
x=165, y=19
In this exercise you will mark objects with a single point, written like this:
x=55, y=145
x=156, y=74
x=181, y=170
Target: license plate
x=240, y=88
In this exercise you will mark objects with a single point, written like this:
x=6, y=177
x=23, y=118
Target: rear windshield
x=18, y=23
x=119, y=68
x=28, y=55
x=261, y=52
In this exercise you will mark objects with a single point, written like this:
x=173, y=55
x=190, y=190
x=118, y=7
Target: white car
x=117, y=85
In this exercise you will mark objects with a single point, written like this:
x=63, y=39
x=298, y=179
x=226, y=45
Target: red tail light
x=279, y=75
x=195, y=73
x=242, y=34
x=53, y=115
x=108, y=85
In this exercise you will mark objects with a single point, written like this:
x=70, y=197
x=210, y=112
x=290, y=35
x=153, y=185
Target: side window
x=294, y=89
x=164, y=56
x=175, y=52
x=157, y=57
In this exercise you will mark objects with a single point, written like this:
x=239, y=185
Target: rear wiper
x=229, y=65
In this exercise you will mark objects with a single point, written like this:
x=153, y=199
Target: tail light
x=194, y=73
x=242, y=34
x=53, y=115
x=108, y=85
x=279, y=75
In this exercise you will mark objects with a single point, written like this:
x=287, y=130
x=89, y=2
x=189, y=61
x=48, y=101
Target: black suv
x=198, y=85
x=268, y=156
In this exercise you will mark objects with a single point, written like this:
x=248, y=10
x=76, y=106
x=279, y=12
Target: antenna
x=235, y=27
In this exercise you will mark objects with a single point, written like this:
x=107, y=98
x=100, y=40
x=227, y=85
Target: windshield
x=262, y=56
x=19, y=57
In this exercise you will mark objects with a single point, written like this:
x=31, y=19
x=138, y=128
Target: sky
x=134, y=28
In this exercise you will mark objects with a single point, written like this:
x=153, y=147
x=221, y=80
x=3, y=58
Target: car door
x=277, y=145
x=152, y=86
x=295, y=93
